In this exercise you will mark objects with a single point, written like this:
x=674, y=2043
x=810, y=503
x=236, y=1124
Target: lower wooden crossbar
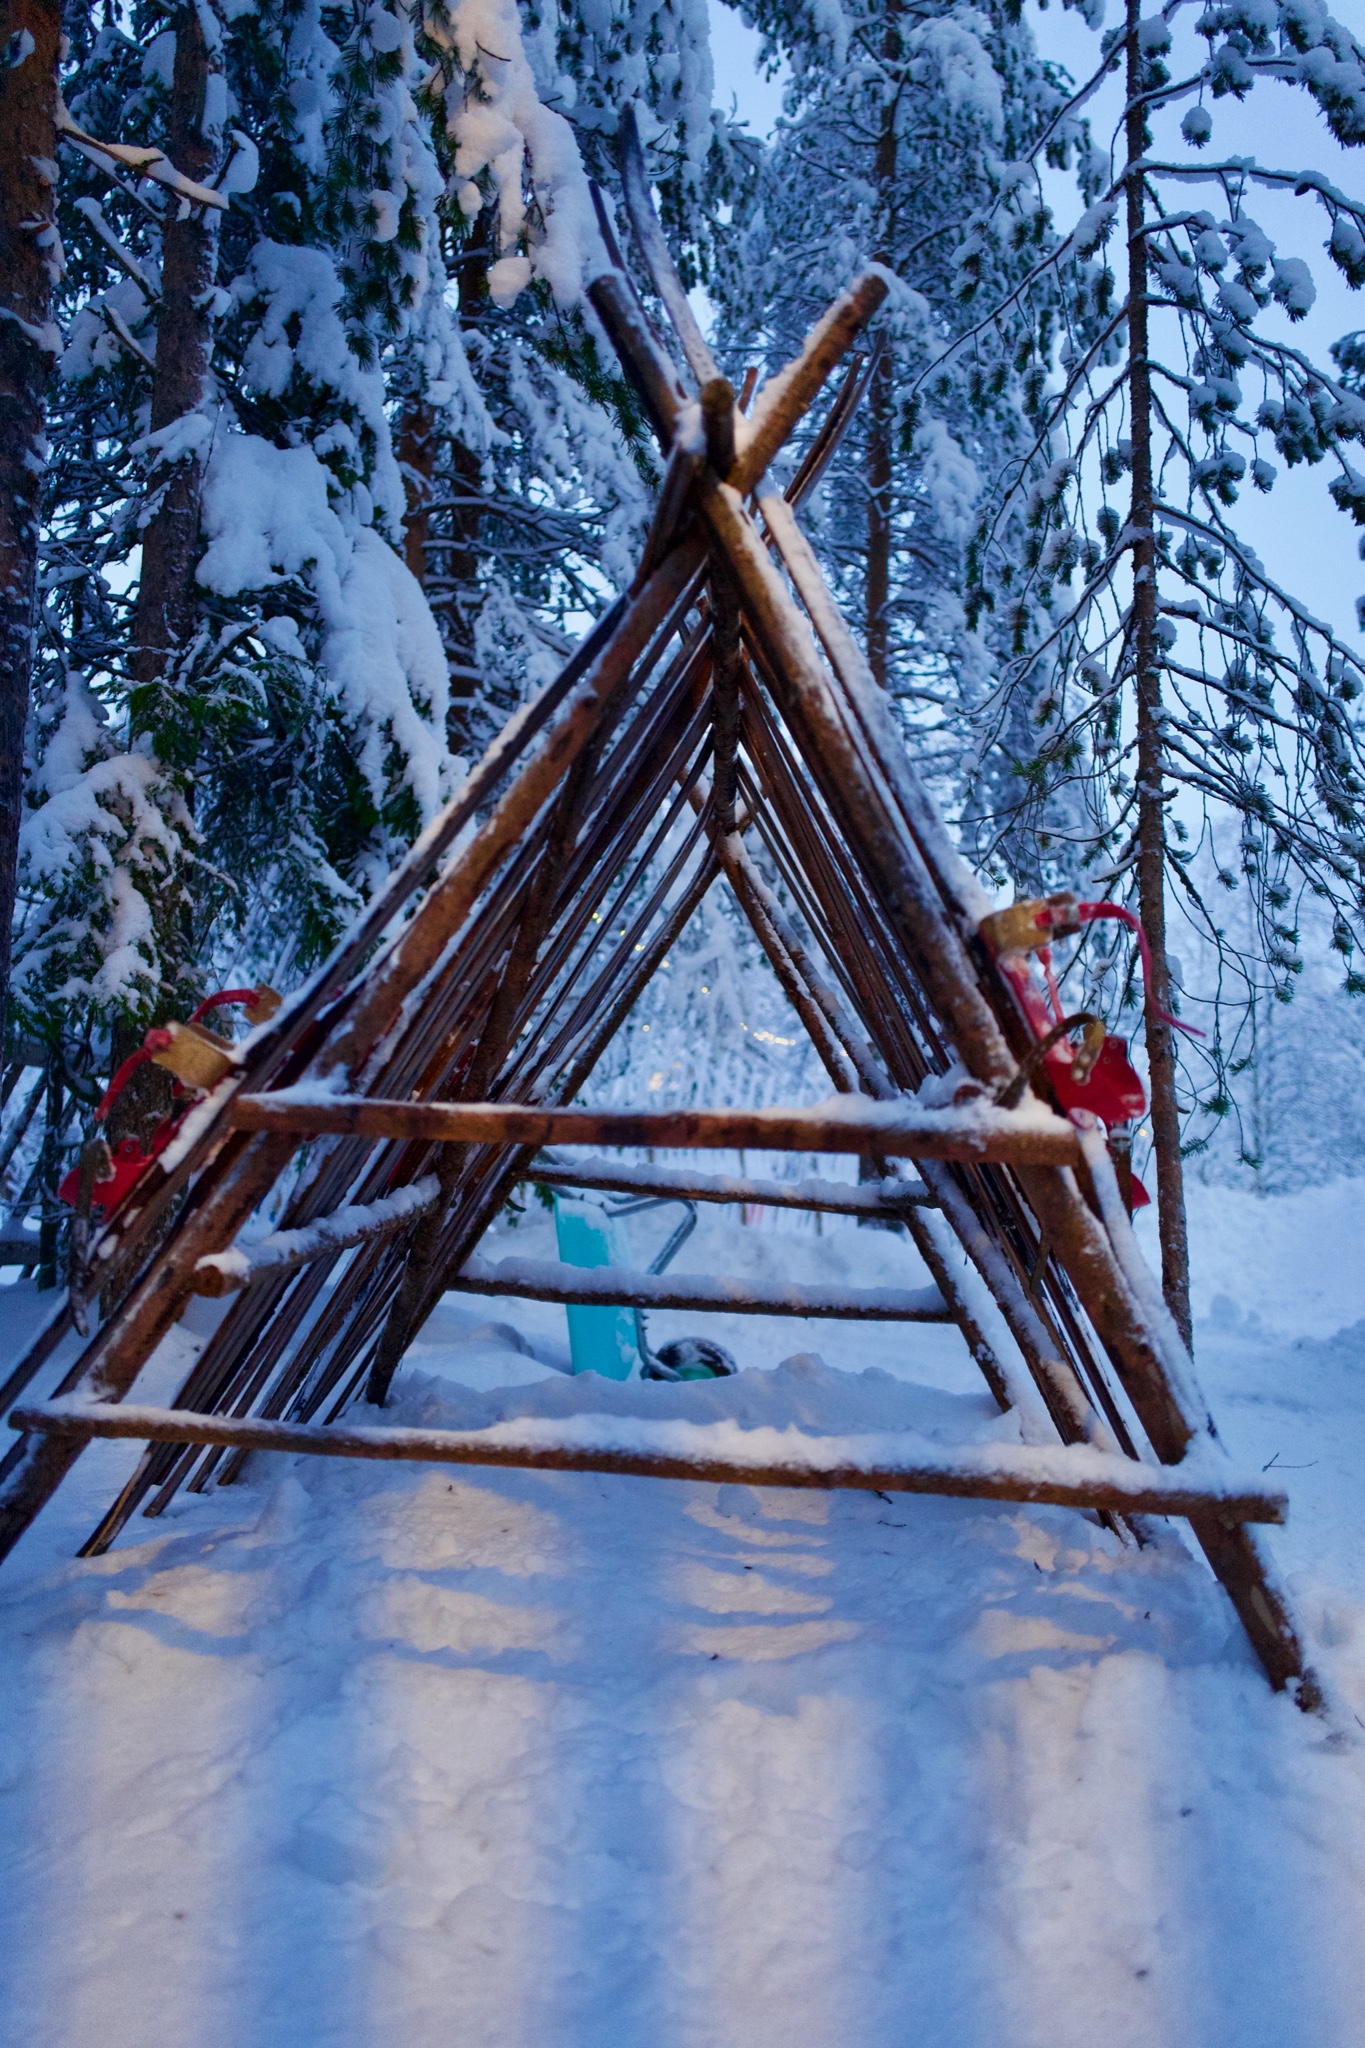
x=882, y=1200
x=623, y=1287
x=1073, y=1476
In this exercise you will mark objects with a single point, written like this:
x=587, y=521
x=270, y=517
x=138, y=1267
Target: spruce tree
x=1199, y=711
x=237, y=731
x=905, y=141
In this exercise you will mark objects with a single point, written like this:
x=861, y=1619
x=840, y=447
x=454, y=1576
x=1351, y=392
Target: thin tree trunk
x=30, y=36
x=1151, y=864
x=877, y=461
x=167, y=607
x=458, y=607
x=441, y=549
x=167, y=603
x=417, y=460
x=444, y=562
x=460, y=561
x=878, y=473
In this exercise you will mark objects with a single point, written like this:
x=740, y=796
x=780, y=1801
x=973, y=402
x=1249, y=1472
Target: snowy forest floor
x=362, y=1754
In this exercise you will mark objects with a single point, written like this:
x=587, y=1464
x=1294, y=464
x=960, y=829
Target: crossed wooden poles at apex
x=722, y=698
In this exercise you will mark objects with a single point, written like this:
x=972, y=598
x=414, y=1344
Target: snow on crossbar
x=884, y=1199
x=224, y=1272
x=977, y=1131
x=620, y=1287
x=719, y=1452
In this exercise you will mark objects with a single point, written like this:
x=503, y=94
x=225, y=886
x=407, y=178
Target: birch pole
x=30, y=38
x=1151, y=791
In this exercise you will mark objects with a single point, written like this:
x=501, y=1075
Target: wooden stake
x=618, y=1286
x=902, y=1130
x=884, y=1200
x=1004, y=1472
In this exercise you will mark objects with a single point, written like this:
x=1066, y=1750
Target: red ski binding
x=198, y=1059
x=1103, y=1080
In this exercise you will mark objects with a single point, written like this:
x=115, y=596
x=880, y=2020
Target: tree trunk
x=457, y=602
x=1151, y=864
x=441, y=548
x=30, y=35
x=417, y=460
x=878, y=473
x=877, y=461
x=167, y=607
x=167, y=602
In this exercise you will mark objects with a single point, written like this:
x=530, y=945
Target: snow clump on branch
x=502, y=131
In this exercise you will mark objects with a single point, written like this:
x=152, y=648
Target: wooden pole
x=613, y=1286
x=1004, y=1472
x=902, y=1130
x=884, y=1200
x=285, y=1250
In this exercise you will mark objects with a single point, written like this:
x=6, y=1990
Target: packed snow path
x=364, y=1755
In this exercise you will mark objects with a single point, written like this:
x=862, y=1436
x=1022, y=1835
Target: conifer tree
x=1199, y=711
x=906, y=141
x=525, y=507
x=231, y=746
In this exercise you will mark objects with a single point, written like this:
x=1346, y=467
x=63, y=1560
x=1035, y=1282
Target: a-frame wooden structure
x=720, y=702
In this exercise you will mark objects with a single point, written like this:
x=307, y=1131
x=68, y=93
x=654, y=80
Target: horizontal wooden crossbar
x=621, y=1287
x=1076, y=1477
x=902, y=1129
x=881, y=1199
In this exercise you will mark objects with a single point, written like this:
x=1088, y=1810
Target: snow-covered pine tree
x=242, y=704
x=242, y=699
x=1208, y=709
x=906, y=141
x=525, y=511
x=240, y=711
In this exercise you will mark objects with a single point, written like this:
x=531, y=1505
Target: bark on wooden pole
x=553, y=1280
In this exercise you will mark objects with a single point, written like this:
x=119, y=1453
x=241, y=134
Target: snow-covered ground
x=354, y=1754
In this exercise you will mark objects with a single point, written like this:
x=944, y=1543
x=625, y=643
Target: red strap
x=1089, y=912
x=158, y=1039
x=249, y=996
